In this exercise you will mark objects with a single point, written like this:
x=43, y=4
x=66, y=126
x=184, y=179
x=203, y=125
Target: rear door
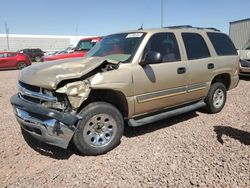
x=4, y=61
x=200, y=65
x=11, y=58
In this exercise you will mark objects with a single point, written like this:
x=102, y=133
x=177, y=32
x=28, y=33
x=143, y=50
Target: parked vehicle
x=34, y=54
x=139, y=77
x=83, y=46
x=13, y=60
x=244, y=67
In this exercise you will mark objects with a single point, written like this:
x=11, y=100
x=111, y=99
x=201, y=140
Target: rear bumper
x=245, y=71
x=46, y=125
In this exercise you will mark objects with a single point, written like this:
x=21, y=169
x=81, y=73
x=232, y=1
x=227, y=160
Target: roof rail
x=189, y=26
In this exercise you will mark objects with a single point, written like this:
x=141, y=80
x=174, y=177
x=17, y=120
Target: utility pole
x=76, y=33
x=162, y=13
x=7, y=35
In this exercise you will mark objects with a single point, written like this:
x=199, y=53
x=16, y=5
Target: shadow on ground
x=49, y=150
x=242, y=136
x=246, y=78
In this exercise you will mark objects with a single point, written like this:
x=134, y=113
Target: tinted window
x=222, y=44
x=195, y=45
x=166, y=44
x=11, y=55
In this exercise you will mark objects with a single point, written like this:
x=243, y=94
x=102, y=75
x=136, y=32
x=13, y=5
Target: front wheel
x=99, y=130
x=216, y=98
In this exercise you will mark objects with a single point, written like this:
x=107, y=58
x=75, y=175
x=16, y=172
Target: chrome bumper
x=43, y=124
x=244, y=71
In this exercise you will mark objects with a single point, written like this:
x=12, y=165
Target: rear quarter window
x=195, y=46
x=222, y=44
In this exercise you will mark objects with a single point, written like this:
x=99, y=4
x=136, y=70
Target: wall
x=240, y=33
x=45, y=42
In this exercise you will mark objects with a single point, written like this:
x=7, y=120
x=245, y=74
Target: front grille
x=31, y=99
x=34, y=94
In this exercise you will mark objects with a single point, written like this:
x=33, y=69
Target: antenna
x=141, y=28
x=7, y=35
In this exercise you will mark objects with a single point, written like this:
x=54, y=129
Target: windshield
x=119, y=47
x=85, y=45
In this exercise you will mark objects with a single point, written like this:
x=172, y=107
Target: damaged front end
x=44, y=115
x=50, y=115
x=77, y=92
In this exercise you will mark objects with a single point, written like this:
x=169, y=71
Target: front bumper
x=47, y=125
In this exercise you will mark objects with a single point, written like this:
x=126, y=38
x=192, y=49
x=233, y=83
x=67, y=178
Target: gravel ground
x=195, y=149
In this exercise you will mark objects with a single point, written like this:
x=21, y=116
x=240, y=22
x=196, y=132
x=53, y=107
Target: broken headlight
x=47, y=92
x=77, y=92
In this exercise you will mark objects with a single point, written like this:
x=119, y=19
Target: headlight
x=79, y=88
x=77, y=92
x=48, y=92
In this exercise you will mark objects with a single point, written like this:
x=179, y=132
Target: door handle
x=181, y=70
x=210, y=66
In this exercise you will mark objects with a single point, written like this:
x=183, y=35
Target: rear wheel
x=21, y=65
x=38, y=59
x=216, y=98
x=100, y=129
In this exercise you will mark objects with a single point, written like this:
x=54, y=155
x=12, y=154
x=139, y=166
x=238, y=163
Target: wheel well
x=115, y=98
x=223, y=78
x=19, y=62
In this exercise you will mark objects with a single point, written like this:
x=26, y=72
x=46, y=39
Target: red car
x=82, y=48
x=13, y=60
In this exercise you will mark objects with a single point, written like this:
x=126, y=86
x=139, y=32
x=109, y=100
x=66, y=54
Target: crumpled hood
x=49, y=74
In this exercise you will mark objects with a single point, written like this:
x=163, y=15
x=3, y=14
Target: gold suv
x=137, y=77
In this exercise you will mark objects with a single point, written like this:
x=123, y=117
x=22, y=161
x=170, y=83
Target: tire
x=99, y=130
x=21, y=65
x=38, y=59
x=216, y=98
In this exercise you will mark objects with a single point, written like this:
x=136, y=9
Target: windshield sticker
x=131, y=35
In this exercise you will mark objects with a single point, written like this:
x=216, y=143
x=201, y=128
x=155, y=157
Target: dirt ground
x=191, y=150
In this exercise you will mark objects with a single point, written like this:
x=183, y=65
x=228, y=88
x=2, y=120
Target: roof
x=238, y=21
x=185, y=28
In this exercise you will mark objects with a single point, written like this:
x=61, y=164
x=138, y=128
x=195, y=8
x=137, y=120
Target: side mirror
x=151, y=58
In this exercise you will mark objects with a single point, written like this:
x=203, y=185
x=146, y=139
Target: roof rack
x=189, y=26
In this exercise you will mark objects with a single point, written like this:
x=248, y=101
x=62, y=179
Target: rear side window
x=11, y=54
x=222, y=44
x=195, y=45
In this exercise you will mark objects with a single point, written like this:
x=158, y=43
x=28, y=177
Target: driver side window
x=166, y=45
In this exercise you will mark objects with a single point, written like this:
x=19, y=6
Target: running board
x=165, y=115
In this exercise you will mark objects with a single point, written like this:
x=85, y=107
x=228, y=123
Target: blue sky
x=102, y=17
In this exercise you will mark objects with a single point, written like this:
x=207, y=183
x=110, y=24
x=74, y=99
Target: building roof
x=238, y=21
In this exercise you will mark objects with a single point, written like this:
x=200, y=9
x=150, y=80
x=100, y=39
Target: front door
x=157, y=86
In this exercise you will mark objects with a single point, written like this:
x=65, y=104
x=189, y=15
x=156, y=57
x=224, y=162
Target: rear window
x=222, y=44
x=195, y=45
